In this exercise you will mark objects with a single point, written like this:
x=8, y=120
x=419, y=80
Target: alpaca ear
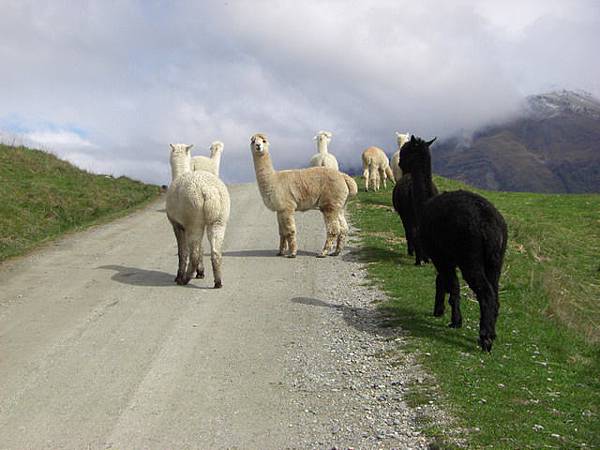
x=328, y=134
x=172, y=147
x=412, y=139
x=431, y=141
x=188, y=147
x=397, y=134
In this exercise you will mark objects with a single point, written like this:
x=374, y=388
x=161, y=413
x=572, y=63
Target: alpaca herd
x=458, y=229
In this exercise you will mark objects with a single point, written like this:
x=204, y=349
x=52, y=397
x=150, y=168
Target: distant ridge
x=553, y=145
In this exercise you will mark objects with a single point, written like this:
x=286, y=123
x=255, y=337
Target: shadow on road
x=378, y=321
x=263, y=253
x=142, y=277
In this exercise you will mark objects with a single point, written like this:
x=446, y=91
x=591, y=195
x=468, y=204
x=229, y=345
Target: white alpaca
x=287, y=191
x=323, y=158
x=401, y=139
x=196, y=201
x=210, y=164
x=376, y=168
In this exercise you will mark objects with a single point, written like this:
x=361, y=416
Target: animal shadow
x=263, y=253
x=141, y=277
x=382, y=322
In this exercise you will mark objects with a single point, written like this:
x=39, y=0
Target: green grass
x=44, y=197
x=540, y=386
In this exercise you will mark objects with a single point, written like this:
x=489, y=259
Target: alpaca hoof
x=438, y=312
x=336, y=253
x=182, y=281
x=321, y=255
x=292, y=255
x=455, y=325
x=486, y=344
x=280, y=254
x=200, y=274
x=218, y=284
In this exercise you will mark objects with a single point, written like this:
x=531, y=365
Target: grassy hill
x=540, y=386
x=43, y=197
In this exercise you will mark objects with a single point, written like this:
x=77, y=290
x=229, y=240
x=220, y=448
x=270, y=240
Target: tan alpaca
x=287, y=191
x=401, y=139
x=376, y=167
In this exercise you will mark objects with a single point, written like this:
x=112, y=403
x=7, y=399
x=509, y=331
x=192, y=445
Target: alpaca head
x=179, y=151
x=415, y=154
x=323, y=136
x=216, y=147
x=259, y=144
x=180, y=159
x=402, y=139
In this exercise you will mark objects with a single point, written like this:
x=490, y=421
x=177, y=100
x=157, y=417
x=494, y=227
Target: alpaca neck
x=401, y=142
x=322, y=147
x=265, y=174
x=217, y=159
x=422, y=182
x=180, y=165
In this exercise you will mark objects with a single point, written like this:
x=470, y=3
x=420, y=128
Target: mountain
x=552, y=145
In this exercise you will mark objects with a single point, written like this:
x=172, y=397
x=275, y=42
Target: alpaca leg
x=440, y=293
x=341, y=240
x=419, y=258
x=375, y=180
x=181, y=251
x=332, y=227
x=366, y=176
x=408, y=234
x=282, y=236
x=194, y=241
x=454, y=300
x=383, y=177
x=492, y=272
x=410, y=244
x=200, y=267
x=289, y=231
x=488, y=305
x=216, y=235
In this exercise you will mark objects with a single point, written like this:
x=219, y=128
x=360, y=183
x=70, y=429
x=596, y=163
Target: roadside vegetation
x=540, y=386
x=42, y=197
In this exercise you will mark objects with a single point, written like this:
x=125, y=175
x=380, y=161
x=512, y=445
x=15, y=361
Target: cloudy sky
x=108, y=85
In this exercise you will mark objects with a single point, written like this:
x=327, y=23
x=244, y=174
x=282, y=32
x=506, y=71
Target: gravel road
x=100, y=349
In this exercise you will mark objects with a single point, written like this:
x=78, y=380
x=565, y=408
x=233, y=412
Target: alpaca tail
x=352, y=186
x=213, y=208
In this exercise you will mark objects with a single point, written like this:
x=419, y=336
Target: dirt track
x=99, y=348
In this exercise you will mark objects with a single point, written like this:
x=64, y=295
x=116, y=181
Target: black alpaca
x=402, y=199
x=458, y=229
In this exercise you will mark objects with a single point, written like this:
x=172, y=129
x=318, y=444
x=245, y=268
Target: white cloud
x=138, y=75
x=57, y=139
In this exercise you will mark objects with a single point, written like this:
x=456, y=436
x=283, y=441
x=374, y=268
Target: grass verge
x=44, y=197
x=540, y=386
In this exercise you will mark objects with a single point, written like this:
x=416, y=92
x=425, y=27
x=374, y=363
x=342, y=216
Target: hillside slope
x=553, y=146
x=43, y=197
